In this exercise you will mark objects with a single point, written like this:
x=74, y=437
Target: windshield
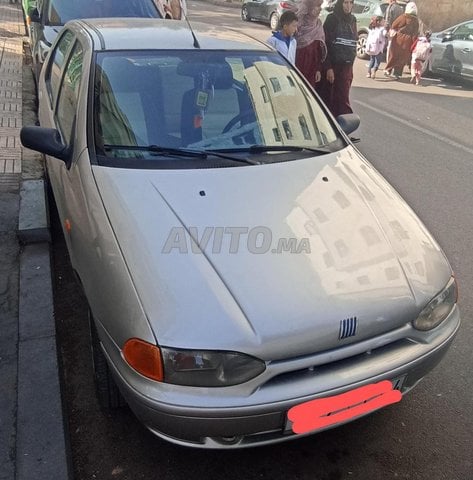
x=204, y=101
x=61, y=11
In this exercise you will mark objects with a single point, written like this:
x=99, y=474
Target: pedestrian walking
x=393, y=11
x=311, y=49
x=421, y=52
x=283, y=40
x=403, y=33
x=341, y=38
x=172, y=9
x=375, y=44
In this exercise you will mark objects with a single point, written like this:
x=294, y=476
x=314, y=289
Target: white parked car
x=251, y=277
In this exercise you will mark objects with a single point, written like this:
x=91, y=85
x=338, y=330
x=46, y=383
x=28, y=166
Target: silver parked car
x=267, y=11
x=452, y=52
x=47, y=17
x=251, y=277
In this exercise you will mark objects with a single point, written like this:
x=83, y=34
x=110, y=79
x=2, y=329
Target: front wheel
x=245, y=16
x=361, y=46
x=274, y=21
x=108, y=395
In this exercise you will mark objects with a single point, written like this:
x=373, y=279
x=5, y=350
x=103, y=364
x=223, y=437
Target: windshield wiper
x=220, y=153
x=285, y=148
x=178, y=152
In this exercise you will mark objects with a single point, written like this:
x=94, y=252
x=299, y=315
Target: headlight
x=438, y=309
x=195, y=368
x=207, y=368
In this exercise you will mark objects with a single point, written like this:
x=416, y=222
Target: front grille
x=347, y=328
x=311, y=373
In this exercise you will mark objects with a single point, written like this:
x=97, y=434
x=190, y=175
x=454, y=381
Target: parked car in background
x=48, y=16
x=452, y=52
x=251, y=277
x=27, y=6
x=266, y=11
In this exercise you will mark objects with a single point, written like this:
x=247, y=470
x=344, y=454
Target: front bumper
x=234, y=418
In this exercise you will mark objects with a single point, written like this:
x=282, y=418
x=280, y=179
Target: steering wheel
x=238, y=119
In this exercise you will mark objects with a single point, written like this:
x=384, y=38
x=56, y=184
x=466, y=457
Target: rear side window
x=61, y=11
x=69, y=93
x=58, y=58
x=464, y=32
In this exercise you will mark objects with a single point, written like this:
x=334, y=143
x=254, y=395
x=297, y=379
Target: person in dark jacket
x=393, y=11
x=340, y=37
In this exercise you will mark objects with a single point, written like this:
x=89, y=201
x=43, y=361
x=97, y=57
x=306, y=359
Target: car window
x=56, y=62
x=202, y=101
x=464, y=32
x=69, y=92
x=61, y=11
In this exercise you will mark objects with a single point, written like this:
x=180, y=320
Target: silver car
x=47, y=17
x=251, y=277
x=452, y=52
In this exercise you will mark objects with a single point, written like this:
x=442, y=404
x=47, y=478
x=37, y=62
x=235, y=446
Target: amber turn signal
x=144, y=357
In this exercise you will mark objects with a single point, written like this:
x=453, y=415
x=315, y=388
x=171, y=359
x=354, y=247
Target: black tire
x=244, y=14
x=274, y=21
x=108, y=394
x=37, y=66
x=361, y=46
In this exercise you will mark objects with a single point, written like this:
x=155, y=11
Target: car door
x=462, y=44
x=258, y=9
x=59, y=88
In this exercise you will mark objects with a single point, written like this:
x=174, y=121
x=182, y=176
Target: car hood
x=290, y=252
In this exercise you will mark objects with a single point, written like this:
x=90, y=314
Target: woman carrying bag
x=403, y=33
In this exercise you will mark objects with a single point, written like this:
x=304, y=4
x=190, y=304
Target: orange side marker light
x=145, y=358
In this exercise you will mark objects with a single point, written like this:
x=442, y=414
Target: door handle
x=466, y=50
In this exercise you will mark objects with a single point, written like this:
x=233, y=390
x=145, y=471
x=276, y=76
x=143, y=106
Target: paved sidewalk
x=12, y=31
x=32, y=440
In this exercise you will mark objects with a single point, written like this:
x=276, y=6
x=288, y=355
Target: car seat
x=211, y=104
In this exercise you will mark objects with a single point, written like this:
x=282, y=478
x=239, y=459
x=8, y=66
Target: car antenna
x=196, y=42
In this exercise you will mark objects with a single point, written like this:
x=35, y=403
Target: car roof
x=151, y=33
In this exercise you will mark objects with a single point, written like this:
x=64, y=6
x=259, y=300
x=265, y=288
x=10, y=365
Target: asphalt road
x=421, y=140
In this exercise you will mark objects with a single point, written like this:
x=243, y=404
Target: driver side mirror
x=349, y=122
x=45, y=140
x=448, y=37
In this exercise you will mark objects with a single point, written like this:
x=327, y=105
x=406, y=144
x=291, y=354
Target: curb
x=33, y=221
x=41, y=445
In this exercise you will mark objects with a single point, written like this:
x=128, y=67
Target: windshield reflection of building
x=281, y=106
x=114, y=127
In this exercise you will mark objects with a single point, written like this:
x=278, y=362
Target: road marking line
x=417, y=127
